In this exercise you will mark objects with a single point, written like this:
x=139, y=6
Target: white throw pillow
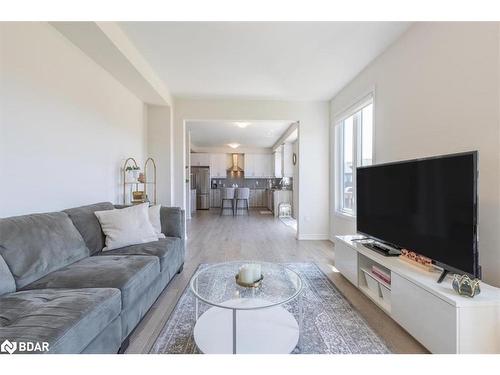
x=154, y=218
x=126, y=226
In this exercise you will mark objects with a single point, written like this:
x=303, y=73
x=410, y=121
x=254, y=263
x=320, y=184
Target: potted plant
x=133, y=171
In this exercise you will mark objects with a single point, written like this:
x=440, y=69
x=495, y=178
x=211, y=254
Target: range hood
x=234, y=166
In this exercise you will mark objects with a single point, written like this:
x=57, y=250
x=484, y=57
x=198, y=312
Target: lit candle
x=246, y=274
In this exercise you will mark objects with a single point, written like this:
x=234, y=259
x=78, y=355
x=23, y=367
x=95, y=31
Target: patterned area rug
x=330, y=325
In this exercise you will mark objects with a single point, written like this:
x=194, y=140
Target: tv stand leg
x=443, y=275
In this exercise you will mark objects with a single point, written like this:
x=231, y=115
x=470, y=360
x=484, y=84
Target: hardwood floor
x=213, y=238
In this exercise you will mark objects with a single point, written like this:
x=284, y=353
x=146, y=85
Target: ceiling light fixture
x=233, y=145
x=242, y=125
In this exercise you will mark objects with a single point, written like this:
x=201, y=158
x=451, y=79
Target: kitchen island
x=259, y=198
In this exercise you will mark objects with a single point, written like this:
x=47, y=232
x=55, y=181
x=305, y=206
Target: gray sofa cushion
x=133, y=315
x=132, y=274
x=165, y=249
x=88, y=225
x=35, y=245
x=67, y=319
x=7, y=282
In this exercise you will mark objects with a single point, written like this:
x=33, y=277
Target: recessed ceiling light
x=242, y=125
x=233, y=145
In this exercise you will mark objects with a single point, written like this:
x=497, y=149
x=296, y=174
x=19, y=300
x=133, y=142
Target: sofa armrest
x=173, y=222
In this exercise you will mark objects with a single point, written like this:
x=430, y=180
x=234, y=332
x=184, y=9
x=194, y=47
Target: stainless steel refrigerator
x=200, y=181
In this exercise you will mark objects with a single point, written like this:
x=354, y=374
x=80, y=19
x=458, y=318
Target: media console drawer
x=429, y=319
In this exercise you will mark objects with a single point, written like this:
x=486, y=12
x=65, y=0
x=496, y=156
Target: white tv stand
x=439, y=318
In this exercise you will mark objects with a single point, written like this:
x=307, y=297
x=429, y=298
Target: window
x=354, y=147
x=346, y=186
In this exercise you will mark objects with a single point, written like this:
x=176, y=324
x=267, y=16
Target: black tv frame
x=446, y=268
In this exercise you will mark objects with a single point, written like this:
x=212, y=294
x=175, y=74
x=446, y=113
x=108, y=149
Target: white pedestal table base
x=270, y=330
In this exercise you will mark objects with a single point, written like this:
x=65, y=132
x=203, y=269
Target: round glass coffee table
x=246, y=320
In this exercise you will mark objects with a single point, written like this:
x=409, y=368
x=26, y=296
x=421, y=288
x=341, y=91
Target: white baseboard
x=313, y=237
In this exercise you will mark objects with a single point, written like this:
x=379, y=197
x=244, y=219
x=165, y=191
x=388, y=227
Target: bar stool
x=227, y=194
x=242, y=194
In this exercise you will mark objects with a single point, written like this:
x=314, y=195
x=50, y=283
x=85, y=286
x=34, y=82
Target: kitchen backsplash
x=252, y=183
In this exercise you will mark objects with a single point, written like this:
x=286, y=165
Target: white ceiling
x=258, y=134
x=260, y=60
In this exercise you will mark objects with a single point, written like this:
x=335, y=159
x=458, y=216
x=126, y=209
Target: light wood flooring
x=213, y=238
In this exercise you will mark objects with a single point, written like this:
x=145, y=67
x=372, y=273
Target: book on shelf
x=381, y=274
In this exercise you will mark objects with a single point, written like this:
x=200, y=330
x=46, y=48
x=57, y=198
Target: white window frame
x=356, y=147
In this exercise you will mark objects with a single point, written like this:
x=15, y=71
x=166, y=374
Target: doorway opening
x=243, y=168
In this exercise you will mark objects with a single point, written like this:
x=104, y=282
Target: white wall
x=66, y=124
x=313, y=149
x=159, y=135
x=436, y=93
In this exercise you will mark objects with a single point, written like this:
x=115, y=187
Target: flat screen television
x=428, y=206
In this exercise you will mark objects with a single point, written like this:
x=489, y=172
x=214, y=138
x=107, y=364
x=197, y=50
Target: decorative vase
x=465, y=286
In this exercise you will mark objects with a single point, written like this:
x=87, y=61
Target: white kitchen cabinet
x=264, y=197
x=250, y=165
x=218, y=165
x=251, y=198
x=195, y=159
x=200, y=159
x=283, y=161
x=259, y=197
x=258, y=166
x=262, y=165
x=287, y=160
x=277, y=167
x=256, y=198
x=266, y=165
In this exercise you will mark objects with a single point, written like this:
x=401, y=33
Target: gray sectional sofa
x=57, y=285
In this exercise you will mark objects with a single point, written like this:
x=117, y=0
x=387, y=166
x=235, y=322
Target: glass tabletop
x=216, y=285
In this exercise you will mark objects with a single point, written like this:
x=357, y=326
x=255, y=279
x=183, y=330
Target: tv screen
x=427, y=206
